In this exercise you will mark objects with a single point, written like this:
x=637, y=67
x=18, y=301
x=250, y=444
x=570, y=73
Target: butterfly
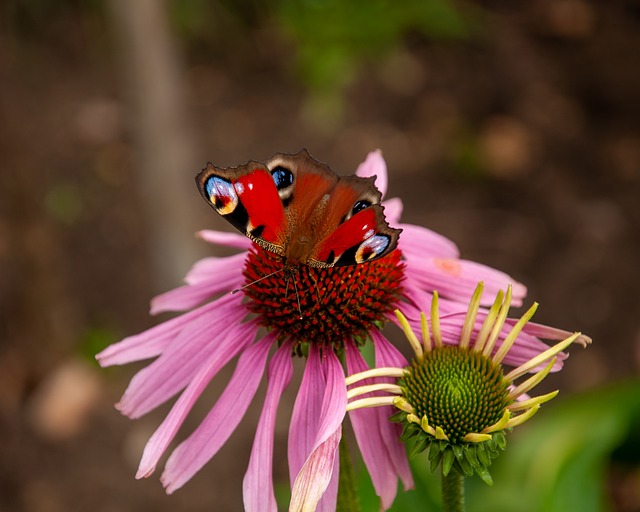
x=299, y=209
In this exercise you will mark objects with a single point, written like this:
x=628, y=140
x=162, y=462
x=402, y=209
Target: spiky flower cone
x=456, y=400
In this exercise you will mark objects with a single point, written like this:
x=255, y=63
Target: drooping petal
x=317, y=472
x=550, y=333
x=205, y=441
x=167, y=430
x=419, y=243
x=224, y=238
x=154, y=341
x=366, y=426
x=330, y=497
x=258, y=481
x=306, y=411
x=457, y=279
x=314, y=477
x=205, y=337
x=216, y=268
x=374, y=165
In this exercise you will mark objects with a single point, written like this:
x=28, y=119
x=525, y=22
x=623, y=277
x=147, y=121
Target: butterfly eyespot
x=359, y=206
x=222, y=194
x=371, y=248
x=282, y=177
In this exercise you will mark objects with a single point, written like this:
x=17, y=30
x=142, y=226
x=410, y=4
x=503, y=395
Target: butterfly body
x=299, y=209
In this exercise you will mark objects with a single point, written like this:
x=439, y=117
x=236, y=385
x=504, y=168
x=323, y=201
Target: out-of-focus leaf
x=557, y=462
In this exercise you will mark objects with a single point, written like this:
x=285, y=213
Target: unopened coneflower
x=318, y=315
x=457, y=400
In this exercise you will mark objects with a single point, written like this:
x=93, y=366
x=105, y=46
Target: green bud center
x=458, y=390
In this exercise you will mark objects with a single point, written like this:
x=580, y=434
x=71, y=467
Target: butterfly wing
x=302, y=182
x=298, y=208
x=355, y=228
x=247, y=197
x=365, y=236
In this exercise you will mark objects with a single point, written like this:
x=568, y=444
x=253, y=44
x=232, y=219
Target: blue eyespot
x=282, y=177
x=371, y=248
x=359, y=206
x=222, y=194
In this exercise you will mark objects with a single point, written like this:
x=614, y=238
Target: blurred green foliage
x=568, y=458
x=329, y=40
x=333, y=36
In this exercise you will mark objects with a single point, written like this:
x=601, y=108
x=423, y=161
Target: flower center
x=336, y=304
x=459, y=390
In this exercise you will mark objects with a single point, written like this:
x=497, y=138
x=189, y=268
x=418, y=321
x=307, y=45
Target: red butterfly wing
x=363, y=237
x=298, y=208
x=248, y=198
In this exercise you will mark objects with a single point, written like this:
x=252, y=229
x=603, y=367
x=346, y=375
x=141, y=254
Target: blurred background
x=511, y=128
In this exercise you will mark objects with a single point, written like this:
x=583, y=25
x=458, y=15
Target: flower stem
x=347, y=495
x=453, y=492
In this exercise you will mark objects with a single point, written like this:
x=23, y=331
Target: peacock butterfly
x=299, y=209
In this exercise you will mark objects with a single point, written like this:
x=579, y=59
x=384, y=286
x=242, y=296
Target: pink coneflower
x=339, y=309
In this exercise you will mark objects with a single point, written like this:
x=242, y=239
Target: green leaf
x=485, y=475
x=483, y=455
x=447, y=461
x=435, y=462
x=470, y=454
x=561, y=459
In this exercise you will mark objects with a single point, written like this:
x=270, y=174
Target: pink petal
x=313, y=481
x=374, y=165
x=189, y=296
x=393, y=211
x=215, y=335
x=207, y=269
x=419, y=243
x=205, y=441
x=154, y=341
x=315, y=475
x=387, y=355
x=329, y=499
x=224, y=238
x=457, y=279
x=258, y=481
x=543, y=331
x=422, y=301
x=366, y=426
x=167, y=430
x=306, y=411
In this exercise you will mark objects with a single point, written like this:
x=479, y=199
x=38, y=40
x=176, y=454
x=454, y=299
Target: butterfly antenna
x=233, y=292
x=295, y=287
x=286, y=287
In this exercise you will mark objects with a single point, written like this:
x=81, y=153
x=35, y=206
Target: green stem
x=347, y=495
x=453, y=492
